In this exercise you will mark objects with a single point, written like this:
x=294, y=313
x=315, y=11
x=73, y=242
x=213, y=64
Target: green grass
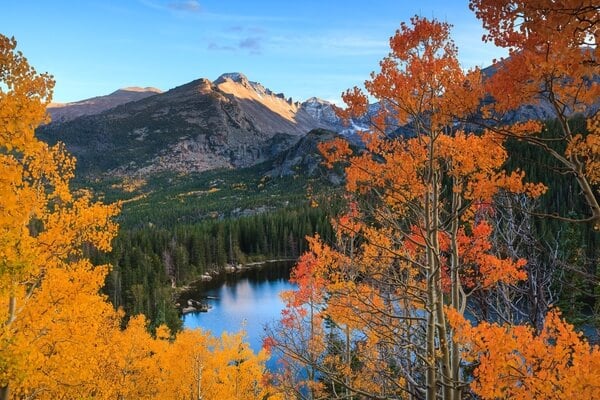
x=168, y=199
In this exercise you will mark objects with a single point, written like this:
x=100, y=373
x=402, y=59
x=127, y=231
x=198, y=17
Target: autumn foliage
x=385, y=311
x=59, y=337
x=387, y=303
x=553, y=60
x=515, y=362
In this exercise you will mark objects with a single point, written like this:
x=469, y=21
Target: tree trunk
x=440, y=317
x=4, y=392
x=455, y=301
x=431, y=377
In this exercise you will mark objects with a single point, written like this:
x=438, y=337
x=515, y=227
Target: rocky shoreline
x=194, y=305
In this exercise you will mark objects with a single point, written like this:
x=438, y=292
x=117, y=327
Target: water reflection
x=247, y=300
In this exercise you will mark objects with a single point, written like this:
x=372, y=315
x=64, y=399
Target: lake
x=247, y=300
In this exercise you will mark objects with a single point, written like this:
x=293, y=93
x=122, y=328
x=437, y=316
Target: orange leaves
x=416, y=78
x=24, y=95
x=513, y=23
x=334, y=151
x=514, y=184
x=44, y=224
x=388, y=164
x=351, y=305
x=516, y=363
x=527, y=128
x=547, y=59
x=397, y=169
x=217, y=368
x=63, y=333
x=348, y=224
x=587, y=149
x=357, y=104
x=475, y=162
x=430, y=36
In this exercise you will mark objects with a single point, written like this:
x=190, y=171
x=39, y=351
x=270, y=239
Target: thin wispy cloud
x=185, y=5
x=240, y=38
x=248, y=29
x=253, y=44
x=331, y=44
x=195, y=9
x=217, y=47
x=256, y=29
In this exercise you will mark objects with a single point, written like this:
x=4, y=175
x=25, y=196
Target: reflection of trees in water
x=268, y=272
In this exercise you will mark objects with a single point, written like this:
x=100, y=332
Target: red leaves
x=268, y=343
x=481, y=268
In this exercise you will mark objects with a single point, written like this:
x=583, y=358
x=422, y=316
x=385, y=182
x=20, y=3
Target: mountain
x=304, y=158
x=62, y=112
x=201, y=125
x=321, y=110
x=230, y=122
x=325, y=112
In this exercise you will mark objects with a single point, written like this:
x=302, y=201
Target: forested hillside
x=149, y=264
x=459, y=261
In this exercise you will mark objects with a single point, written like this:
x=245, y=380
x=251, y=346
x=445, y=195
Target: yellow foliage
x=59, y=337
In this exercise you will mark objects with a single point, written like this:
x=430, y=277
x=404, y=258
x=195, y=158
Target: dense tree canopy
x=438, y=278
x=429, y=236
x=59, y=337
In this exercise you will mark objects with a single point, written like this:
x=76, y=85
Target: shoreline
x=268, y=261
x=223, y=272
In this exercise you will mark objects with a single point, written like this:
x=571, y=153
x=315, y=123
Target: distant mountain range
x=230, y=122
x=227, y=123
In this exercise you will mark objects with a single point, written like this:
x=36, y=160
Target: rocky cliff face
x=325, y=112
x=229, y=123
x=304, y=158
x=321, y=110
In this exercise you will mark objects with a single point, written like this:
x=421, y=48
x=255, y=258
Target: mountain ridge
x=62, y=112
x=230, y=122
x=200, y=125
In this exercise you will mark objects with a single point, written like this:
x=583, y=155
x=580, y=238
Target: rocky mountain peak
x=230, y=79
x=316, y=100
x=237, y=77
x=321, y=110
x=202, y=86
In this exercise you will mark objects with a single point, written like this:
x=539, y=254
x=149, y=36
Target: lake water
x=247, y=300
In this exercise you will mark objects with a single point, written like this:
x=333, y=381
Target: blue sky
x=302, y=48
